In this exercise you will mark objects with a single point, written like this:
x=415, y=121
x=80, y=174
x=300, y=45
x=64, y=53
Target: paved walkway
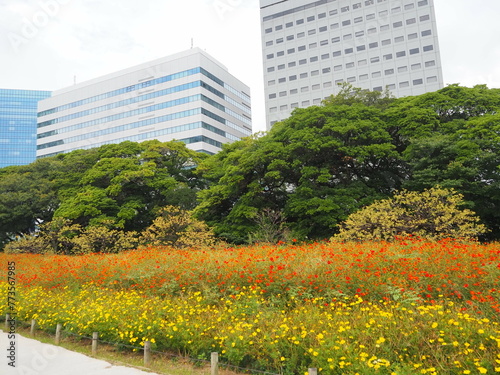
x=35, y=358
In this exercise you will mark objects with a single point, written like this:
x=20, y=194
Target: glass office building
x=189, y=97
x=18, y=124
x=311, y=47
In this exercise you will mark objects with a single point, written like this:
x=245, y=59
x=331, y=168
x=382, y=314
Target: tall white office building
x=189, y=97
x=310, y=47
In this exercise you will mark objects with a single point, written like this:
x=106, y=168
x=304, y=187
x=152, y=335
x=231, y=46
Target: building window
x=386, y=42
x=402, y=69
x=339, y=81
x=396, y=10
x=292, y=78
x=349, y=50
x=283, y=107
x=281, y=66
x=279, y=27
x=370, y=16
x=316, y=86
x=302, y=48
x=351, y=79
x=411, y=21
x=270, y=56
x=416, y=66
x=388, y=72
x=322, y=29
x=337, y=53
x=291, y=64
x=301, y=35
x=399, y=39
x=310, y=18
x=289, y=24
x=282, y=94
x=344, y=9
x=397, y=24
x=336, y=68
x=272, y=82
x=282, y=80
x=272, y=96
x=391, y=87
x=373, y=45
x=371, y=30
x=270, y=30
x=313, y=59
x=347, y=36
x=334, y=12
x=327, y=84
x=425, y=18
x=299, y=22
x=361, y=48
x=273, y=109
x=306, y=103
x=376, y=74
x=279, y=40
x=270, y=69
x=412, y=36
x=336, y=39
x=426, y=32
x=304, y=75
x=334, y=26
x=291, y=50
x=326, y=70
x=363, y=77
x=404, y=84
x=432, y=79
x=323, y=42
x=304, y=89
x=280, y=53
x=269, y=43
x=302, y=61
x=358, y=19
x=311, y=32
x=422, y=3
x=401, y=54
x=294, y=105
x=359, y=34
x=362, y=62
x=383, y=13
x=356, y=6
x=409, y=6
x=388, y=57
x=349, y=65
x=418, y=81
x=290, y=37
x=428, y=64
x=314, y=73
x=414, y=51
x=325, y=56
x=321, y=15
x=428, y=48
x=384, y=27
x=378, y=88
x=375, y=59
x=346, y=23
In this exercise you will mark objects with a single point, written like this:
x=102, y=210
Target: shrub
x=101, y=239
x=177, y=228
x=432, y=214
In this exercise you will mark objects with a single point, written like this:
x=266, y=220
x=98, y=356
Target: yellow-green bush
x=177, y=228
x=434, y=214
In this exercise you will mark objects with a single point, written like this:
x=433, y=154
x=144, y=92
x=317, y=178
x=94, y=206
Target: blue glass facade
x=18, y=125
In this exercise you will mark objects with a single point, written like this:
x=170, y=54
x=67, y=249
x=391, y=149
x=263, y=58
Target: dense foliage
x=432, y=214
x=399, y=308
x=301, y=180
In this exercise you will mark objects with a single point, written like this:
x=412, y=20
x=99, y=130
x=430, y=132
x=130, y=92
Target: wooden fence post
x=7, y=318
x=32, y=329
x=214, y=362
x=95, y=337
x=58, y=333
x=313, y=371
x=147, y=353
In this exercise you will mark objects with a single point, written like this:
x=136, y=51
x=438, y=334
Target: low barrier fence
x=215, y=364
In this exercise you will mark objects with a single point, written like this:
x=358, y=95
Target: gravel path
x=35, y=358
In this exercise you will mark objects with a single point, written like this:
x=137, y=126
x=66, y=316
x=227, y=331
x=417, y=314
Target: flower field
x=412, y=307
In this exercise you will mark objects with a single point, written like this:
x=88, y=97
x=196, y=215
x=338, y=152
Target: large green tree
x=315, y=167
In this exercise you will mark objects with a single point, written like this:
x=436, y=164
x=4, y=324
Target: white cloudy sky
x=89, y=38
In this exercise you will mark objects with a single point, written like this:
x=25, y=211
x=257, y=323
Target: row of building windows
x=148, y=122
x=142, y=98
x=350, y=65
x=143, y=137
x=328, y=84
x=350, y=36
x=143, y=85
x=358, y=33
x=142, y=111
x=333, y=12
